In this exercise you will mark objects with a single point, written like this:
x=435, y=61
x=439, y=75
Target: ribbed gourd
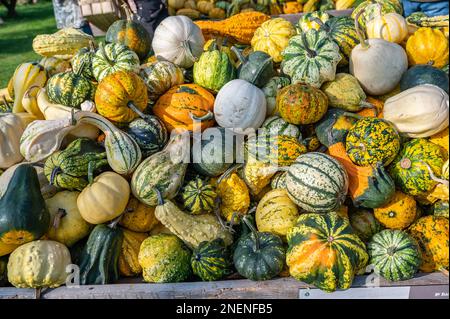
x=198, y=196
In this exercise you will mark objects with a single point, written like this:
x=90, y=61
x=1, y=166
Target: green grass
x=16, y=36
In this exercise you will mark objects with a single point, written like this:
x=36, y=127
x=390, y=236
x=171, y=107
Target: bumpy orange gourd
x=118, y=93
x=428, y=46
x=241, y=26
x=398, y=213
x=292, y=7
x=431, y=233
x=178, y=107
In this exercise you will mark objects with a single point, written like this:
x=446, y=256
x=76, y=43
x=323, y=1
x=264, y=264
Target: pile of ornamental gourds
x=323, y=151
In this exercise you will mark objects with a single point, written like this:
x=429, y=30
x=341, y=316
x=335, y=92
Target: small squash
x=104, y=199
x=364, y=224
x=54, y=65
x=399, y=213
x=431, y=233
x=428, y=46
x=67, y=226
x=424, y=74
x=270, y=91
x=159, y=77
x=234, y=196
x=391, y=27
x=82, y=62
x=128, y=259
x=138, y=217
x=150, y=134
x=211, y=260
x=39, y=264
x=255, y=68
x=198, y=196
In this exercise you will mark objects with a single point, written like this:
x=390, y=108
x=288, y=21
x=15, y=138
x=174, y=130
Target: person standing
x=68, y=15
x=150, y=12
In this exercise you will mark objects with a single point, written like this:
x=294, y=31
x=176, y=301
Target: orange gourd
x=183, y=105
x=428, y=46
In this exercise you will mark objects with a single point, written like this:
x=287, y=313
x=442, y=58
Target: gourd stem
x=320, y=23
x=208, y=116
x=159, y=195
x=92, y=46
x=91, y=172
x=434, y=177
x=228, y=172
x=310, y=52
x=136, y=110
x=115, y=221
x=359, y=31
x=27, y=92
x=59, y=215
x=367, y=105
x=213, y=47
x=239, y=55
x=102, y=51
x=217, y=203
x=55, y=171
x=254, y=232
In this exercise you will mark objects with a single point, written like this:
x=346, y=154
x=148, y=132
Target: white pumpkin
x=11, y=129
x=420, y=111
x=179, y=40
x=240, y=105
x=391, y=27
x=378, y=65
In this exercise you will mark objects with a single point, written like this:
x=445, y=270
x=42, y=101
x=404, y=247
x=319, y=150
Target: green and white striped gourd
x=317, y=182
x=198, y=196
x=275, y=125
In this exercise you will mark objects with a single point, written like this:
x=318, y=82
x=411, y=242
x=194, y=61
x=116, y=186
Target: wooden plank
x=287, y=288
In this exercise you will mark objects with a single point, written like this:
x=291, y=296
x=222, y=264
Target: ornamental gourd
x=69, y=89
x=54, y=65
x=376, y=63
x=417, y=166
x=317, y=182
x=259, y=255
x=310, y=20
x=214, y=69
x=159, y=77
x=371, y=141
x=67, y=226
x=428, y=46
x=211, y=260
x=256, y=67
x=27, y=219
x=270, y=91
x=163, y=171
x=82, y=62
x=138, y=217
x=272, y=37
x=234, y=196
x=369, y=9
x=364, y=224
x=111, y=58
x=164, y=258
x=121, y=96
x=185, y=107
x=311, y=58
x=178, y=40
x=324, y=251
x=241, y=105
x=128, y=258
x=276, y=213
x=71, y=167
x=431, y=233
x=391, y=27
x=29, y=102
x=25, y=76
x=399, y=213
x=198, y=196
x=39, y=264
x=420, y=111
x=104, y=199
x=150, y=134
x=424, y=74
x=275, y=126
x=301, y=104
x=394, y=254
x=130, y=33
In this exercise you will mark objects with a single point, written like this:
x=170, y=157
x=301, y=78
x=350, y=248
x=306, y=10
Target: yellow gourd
x=441, y=139
x=128, y=258
x=29, y=102
x=104, y=199
x=276, y=213
x=391, y=27
x=234, y=196
x=272, y=37
x=6, y=249
x=428, y=46
x=398, y=213
x=138, y=217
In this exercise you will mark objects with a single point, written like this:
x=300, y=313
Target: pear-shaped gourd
x=257, y=68
x=23, y=214
x=377, y=64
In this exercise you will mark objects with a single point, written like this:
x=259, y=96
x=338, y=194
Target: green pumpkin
x=271, y=89
x=311, y=58
x=440, y=208
x=82, y=62
x=70, y=89
x=370, y=8
x=275, y=125
x=424, y=74
x=259, y=255
x=324, y=251
x=198, y=196
x=334, y=126
x=99, y=258
x=394, y=255
x=306, y=21
x=211, y=260
x=24, y=217
x=342, y=31
x=149, y=133
x=364, y=224
x=214, y=69
x=256, y=68
x=411, y=168
x=216, y=153
x=3, y=270
x=113, y=57
x=371, y=141
x=71, y=167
